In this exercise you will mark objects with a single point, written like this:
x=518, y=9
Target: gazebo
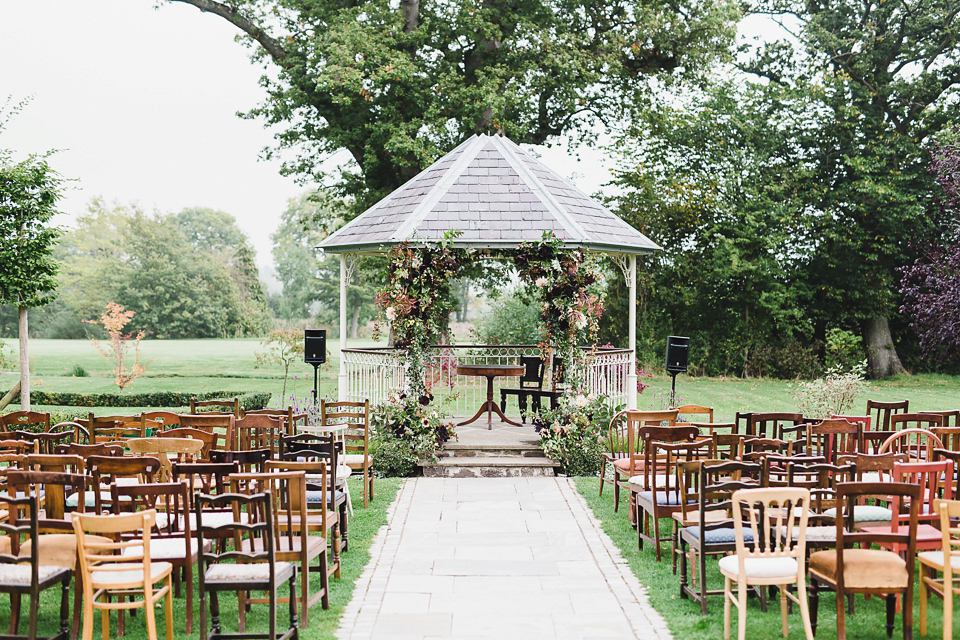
x=498, y=196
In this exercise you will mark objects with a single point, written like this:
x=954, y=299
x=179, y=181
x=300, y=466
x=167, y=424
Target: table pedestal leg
x=490, y=407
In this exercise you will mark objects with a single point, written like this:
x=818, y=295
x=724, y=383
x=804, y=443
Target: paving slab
x=496, y=557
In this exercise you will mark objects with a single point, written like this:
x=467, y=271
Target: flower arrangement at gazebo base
x=407, y=432
x=573, y=433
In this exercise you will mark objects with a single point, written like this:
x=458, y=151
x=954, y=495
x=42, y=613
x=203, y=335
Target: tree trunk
x=355, y=322
x=882, y=358
x=24, y=361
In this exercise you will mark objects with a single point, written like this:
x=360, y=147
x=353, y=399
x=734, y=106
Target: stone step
x=521, y=450
x=489, y=467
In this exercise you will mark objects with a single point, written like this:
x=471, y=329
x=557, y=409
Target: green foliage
x=79, y=372
x=283, y=347
x=148, y=263
x=407, y=433
x=399, y=84
x=8, y=359
x=844, y=348
x=29, y=191
x=835, y=393
x=512, y=319
x=572, y=434
x=256, y=400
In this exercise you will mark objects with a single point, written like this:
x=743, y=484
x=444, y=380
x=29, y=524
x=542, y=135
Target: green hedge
x=154, y=399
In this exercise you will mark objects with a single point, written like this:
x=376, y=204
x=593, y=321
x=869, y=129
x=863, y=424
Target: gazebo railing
x=373, y=373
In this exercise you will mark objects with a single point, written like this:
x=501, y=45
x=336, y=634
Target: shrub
x=836, y=392
x=407, y=432
x=154, y=399
x=79, y=372
x=572, y=434
x=844, y=348
x=511, y=320
x=8, y=359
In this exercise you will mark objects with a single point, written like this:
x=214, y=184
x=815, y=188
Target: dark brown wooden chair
x=950, y=417
x=259, y=431
x=251, y=567
x=222, y=424
x=849, y=570
x=772, y=424
x=24, y=574
x=902, y=421
x=530, y=386
x=291, y=419
x=127, y=470
x=830, y=438
x=880, y=412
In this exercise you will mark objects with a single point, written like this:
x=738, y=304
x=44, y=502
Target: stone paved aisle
x=496, y=558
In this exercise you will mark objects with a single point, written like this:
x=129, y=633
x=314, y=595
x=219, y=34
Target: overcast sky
x=142, y=103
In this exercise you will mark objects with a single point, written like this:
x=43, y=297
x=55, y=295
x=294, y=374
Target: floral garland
x=570, y=286
x=417, y=302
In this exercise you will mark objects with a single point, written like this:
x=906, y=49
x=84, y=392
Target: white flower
x=391, y=314
x=541, y=282
x=578, y=318
x=580, y=401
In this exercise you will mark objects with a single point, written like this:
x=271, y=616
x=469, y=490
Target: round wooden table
x=490, y=371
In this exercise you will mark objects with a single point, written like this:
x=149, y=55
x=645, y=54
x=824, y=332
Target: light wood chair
x=689, y=411
x=946, y=560
x=356, y=453
x=128, y=569
x=231, y=405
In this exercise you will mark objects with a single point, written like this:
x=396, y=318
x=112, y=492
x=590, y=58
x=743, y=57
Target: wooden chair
x=57, y=542
x=24, y=574
x=772, y=424
x=742, y=420
x=756, y=449
x=218, y=406
x=918, y=444
x=616, y=448
x=714, y=531
x=726, y=446
x=247, y=567
x=880, y=412
x=321, y=512
x=181, y=450
x=776, y=519
x=210, y=479
x=313, y=448
x=865, y=422
x=259, y=431
x=949, y=417
x=292, y=543
x=172, y=538
x=904, y=421
x=53, y=462
x=657, y=495
x=356, y=453
x=530, y=386
x=128, y=470
x=832, y=437
x=291, y=419
x=129, y=569
x=208, y=439
x=821, y=480
x=155, y=422
x=250, y=461
x=632, y=464
x=114, y=428
x=17, y=420
x=929, y=476
x=61, y=433
x=224, y=425
x=865, y=570
x=688, y=411
x=945, y=560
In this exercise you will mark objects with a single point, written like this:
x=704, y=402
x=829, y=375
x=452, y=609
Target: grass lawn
x=683, y=616
x=364, y=525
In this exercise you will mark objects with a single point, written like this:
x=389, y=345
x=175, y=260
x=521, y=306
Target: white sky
x=142, y=103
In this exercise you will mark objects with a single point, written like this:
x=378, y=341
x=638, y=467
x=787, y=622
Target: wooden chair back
x=55, y=487
x=155, y=422
x=204, y=477
x=727, y=446
x=771, y=424
x=226, y=405
x=949, y=418
x=832, y=437
x=259, y=431
x=115, y=428
x=52, y=462
x=87, y=450
x=19, y=420
x=690, y=411
x=903, y=421
x=865, y=422
x=224, y=425
x=250, y=461
x=533, y=370
x=357, y=414
x=291, y=419
x=880, y=412
x=106, y=470
x=918, y=444
x=209, y=439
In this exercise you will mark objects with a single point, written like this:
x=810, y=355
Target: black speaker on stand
x=315, y=353
x=678, y=350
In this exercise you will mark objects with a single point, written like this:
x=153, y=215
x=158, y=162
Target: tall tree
x=398, y=83
x=885, y=75
x=29, y=191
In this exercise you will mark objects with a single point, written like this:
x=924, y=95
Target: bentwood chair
x=130, y=569
x=775, y=521
x=23, y=574
x=850, y=570
x=253, y=567
x=945, y=560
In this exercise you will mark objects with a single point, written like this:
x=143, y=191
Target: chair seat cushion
x=862, y=568
x=664, y=498
x=764, y=568
x=128, y=576
x=818, y=533
x=638, y=482
x=720, y=535
x=316, y=497
x=20, y=574
x=865, y=513
x=250, y=572
x=59, y=549
x=217, y=519
x=935, y=559
x=165, y=549
x=693, y=517
x=355, y=459
x=623, y=464
x=925, y=532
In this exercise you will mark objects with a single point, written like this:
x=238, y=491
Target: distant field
x=197, y=366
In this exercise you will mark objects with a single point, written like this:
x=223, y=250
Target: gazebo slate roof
x=498, y=196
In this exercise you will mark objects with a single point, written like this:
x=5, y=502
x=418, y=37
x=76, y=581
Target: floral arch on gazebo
x=486, y=197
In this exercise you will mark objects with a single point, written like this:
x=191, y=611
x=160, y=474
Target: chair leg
x=841, y=617
x=702, y=560
x=814, y=592
x=947, y=608
x=168, y=606
x=14, y=613
x=34, y=605
x=616, y=490
x=324, y=582
x=272, y=598
x=293, y=601
x=727, y=600
x=150, y=613
x=656, y=532
x=189, y=580
x=804, y=610
x=105, y=622
x=242, y=616
x=741, y=608
x=88, y=617
x=305, y=593
x=65, y=608
x=923, y=602
x=603, y=474
x=783, y=608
